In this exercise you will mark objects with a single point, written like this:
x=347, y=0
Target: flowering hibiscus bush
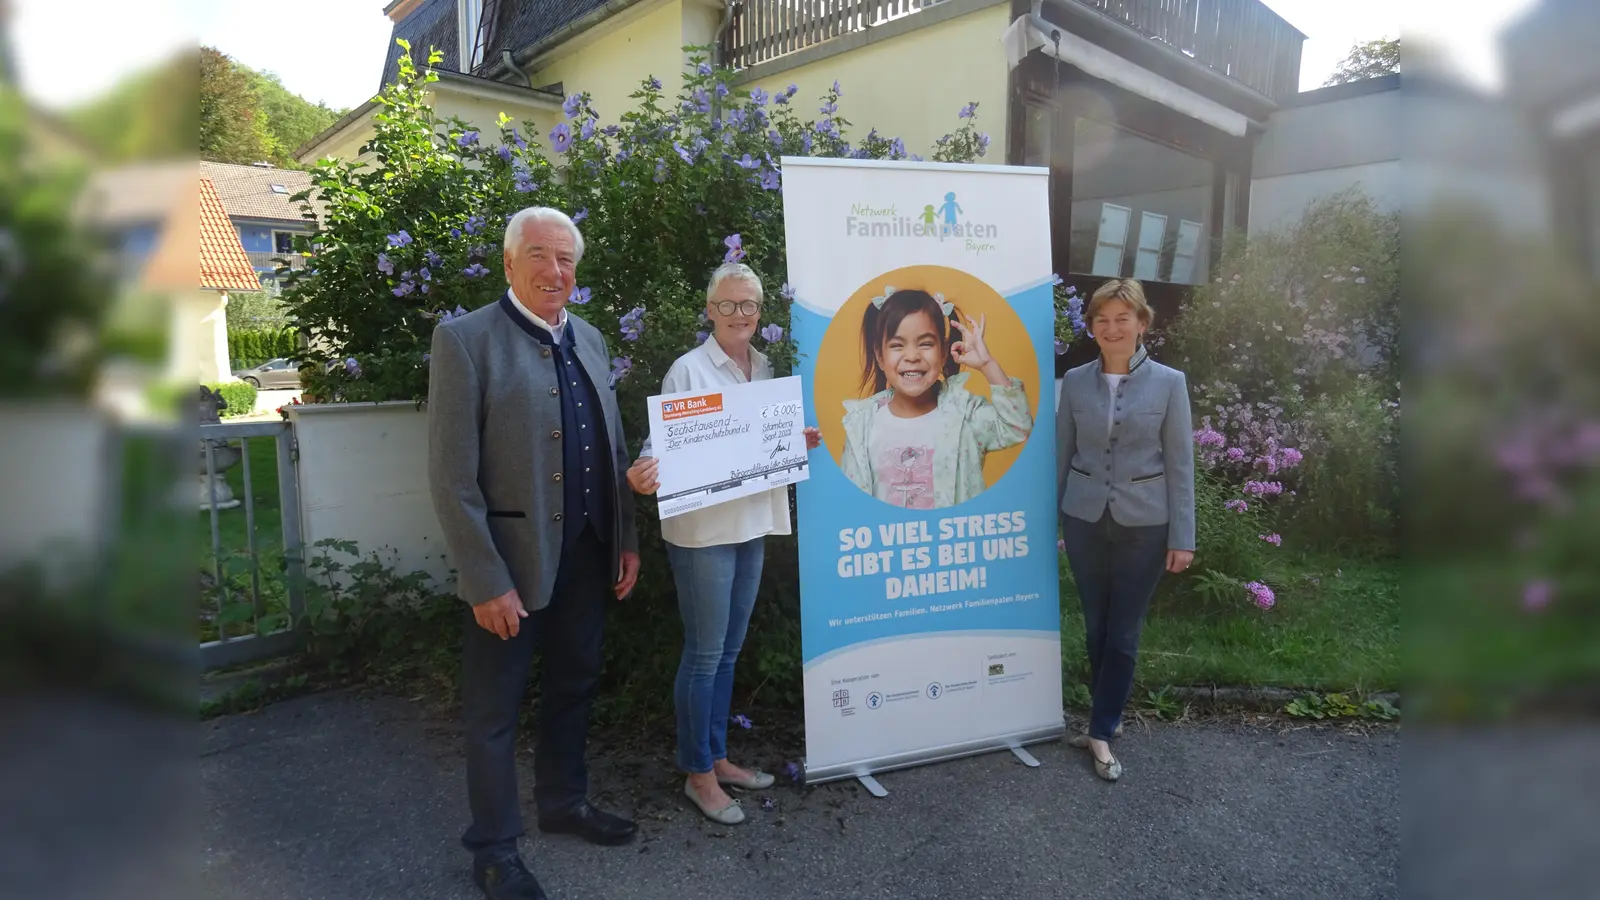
x=677, y=187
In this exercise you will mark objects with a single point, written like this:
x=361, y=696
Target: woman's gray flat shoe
x=758, y=781
x=732, y=814
x=1109, y=769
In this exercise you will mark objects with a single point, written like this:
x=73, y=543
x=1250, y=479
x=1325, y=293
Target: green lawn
x=1336, y=626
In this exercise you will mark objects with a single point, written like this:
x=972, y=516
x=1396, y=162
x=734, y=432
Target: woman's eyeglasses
x=744, y=307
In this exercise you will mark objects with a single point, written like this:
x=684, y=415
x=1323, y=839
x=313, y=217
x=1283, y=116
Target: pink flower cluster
x=1236, y=506
x=1274, y=539
x=1263, y=488
x=1261, y=595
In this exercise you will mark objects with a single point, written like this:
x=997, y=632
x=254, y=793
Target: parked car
x=277, y=373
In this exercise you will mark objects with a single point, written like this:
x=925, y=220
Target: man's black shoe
x=593, y=825
x=507, y=879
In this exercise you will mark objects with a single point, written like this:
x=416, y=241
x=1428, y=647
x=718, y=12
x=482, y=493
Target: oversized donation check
x=716, y=446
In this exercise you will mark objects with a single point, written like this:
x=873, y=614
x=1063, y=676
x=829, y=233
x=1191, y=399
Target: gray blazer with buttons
x=1142, y=468
x=494, y=446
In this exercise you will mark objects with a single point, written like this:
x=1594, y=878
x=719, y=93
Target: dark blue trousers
x=1116, y=568
x=568, y=633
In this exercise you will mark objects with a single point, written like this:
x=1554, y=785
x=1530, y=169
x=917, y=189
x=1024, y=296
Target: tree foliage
x=248, y=116
x=148, y=115
x=1368, y=59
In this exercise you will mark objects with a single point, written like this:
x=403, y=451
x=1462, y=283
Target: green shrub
x=240, y=397
x=1351, y=479
x=251, y=347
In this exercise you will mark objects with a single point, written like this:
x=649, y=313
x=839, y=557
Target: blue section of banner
x=841, y=608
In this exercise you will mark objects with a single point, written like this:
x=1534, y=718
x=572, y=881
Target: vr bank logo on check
x=690, y=406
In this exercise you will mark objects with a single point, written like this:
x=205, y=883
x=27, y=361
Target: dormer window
x=472, y=31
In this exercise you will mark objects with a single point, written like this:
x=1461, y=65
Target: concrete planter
x=363, y=470
x=58, y=477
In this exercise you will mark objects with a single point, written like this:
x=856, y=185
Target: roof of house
x=258, y=192
x=223, y=263
x=518, y=24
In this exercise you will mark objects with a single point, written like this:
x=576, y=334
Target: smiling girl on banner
x=920, y=441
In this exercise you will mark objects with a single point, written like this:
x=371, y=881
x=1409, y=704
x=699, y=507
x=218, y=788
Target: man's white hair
x=737, y=271
x=536, y=215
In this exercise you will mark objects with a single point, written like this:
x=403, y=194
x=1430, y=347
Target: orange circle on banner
x=839, y=361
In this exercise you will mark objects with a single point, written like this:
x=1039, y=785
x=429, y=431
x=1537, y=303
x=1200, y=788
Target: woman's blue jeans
x=1116, y=568
x=716, y=592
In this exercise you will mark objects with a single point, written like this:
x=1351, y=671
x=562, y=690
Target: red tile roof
x=223, y=264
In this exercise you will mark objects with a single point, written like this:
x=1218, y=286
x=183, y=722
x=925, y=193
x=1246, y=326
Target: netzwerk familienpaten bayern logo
x=943, y=221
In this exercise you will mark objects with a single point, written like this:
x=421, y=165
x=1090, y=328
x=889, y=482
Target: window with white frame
x=283, y=242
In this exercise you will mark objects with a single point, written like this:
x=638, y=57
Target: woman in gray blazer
x=1125, y=467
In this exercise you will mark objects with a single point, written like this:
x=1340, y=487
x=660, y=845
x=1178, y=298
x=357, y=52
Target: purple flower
x=572, y=105
x=791, y=770
x=426, y=357
x=475, y=224
x=504, y=152
x=768, y=804
x=721, y=90
x=403, y=288
x=1061, y=347
x=654, y=83
x=353, y=367
x=775, y=138
x=433, y=258
x=758, y=96
x=805, y=143
x=703, y=68
x=633, y=324
x=1274, y=539
x=587, y=131
x=426, y=275
x=516, y=138
x=467, y=139
x=742, y=722
x=783, y=98
x=1236, y=453
x=772, y=333
x=1536, y=595
x=624, y=155
x=1261, y=594
x=1208, y=437
x=620, y=367
x=455, y=232
x=1061, y=545
x=399, y=239
x=661, y=171
x=700, y=337
x=1237, y=506
x=561, y=137
x=1289, y=457
x=787, y=292
x=829, y=108
x=580, y=215
x=476, y=270
x=1263, y=488
x=702, y=100
x=735, y=245
x=897, y=149
x=686, y=155
x=385, y=265
x=983, y=144
x=826, y=127
x=526, y=185
x=837, y=90
x=745, y=162
x=579, y=295
x=770, y=180
x=968, y=111
x=611, y=130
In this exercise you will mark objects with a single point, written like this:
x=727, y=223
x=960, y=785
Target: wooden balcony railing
x=1241, y=39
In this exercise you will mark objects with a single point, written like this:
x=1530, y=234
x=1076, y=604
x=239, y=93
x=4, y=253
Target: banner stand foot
x=874, y=788
x=1026, y=757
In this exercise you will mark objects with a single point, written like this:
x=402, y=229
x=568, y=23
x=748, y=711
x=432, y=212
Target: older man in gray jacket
x=527, y=465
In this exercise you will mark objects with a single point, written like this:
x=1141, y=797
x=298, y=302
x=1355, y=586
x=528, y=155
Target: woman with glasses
x=716, y=555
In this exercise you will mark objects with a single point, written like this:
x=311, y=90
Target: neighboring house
x=1157, y=118
x=200, y=329
x=1552, y=75
x=256, y=199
